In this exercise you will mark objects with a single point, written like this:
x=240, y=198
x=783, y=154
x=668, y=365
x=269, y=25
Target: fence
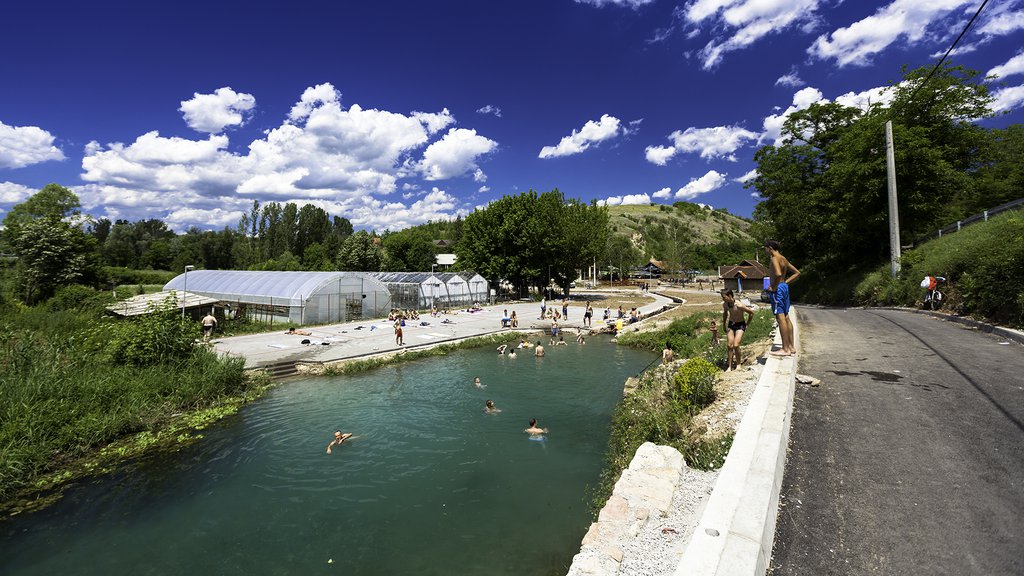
x=956, y=226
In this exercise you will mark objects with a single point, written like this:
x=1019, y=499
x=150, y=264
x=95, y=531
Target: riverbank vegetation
x=73, y=381
x=666, y=399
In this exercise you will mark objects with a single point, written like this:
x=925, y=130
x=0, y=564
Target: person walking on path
x=588, y=316
x=399, y=339
x=209, y=323
x=565, y=308
x=778, y=268
x=543, y=307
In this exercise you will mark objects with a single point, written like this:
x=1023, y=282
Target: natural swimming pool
x=432, y=485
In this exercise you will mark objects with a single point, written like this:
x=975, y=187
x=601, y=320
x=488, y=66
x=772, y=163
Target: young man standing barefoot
x=778, y=269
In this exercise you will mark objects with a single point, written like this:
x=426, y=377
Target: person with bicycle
x=932, y=298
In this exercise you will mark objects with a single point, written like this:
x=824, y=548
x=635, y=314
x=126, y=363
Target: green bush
x=78, y=297
x=695, y=384
x=149, y=339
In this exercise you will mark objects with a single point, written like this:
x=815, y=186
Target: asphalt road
x=909, y=457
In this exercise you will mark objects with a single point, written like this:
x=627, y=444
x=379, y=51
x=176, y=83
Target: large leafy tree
x=360, y=251
x=824, y=185
x=528, y=238
x=52, y=251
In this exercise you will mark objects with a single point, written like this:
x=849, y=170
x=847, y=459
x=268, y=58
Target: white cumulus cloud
x=713, y=180
x=791, y=80
x=11, y=193
x=737, y=24
x=1011, y=67
x=906, y=20
x=624, y=200
x=665, y=192
x=747, y=177
x=322, y=153
x=591, y=133
x=455, y=154
x=22, y=146
x=213, y=113
x=1008, y=98
x=489, y=109
x=710, y=143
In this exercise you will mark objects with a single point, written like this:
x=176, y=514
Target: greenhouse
x=456, y=289
x=412, y=290
x=300, y=297
x=478, y=286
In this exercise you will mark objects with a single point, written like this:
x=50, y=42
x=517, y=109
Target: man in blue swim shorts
x=777, y=270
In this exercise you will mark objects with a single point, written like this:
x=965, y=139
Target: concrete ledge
x=737, y=530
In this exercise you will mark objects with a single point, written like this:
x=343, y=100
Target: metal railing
x=983, y=217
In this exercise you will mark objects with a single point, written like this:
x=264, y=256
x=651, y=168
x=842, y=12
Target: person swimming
x=501, y=349
x=476, y=382
x=534, y=430
x=339, y=439
x=490, y=408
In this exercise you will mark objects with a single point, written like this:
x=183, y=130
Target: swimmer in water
x=501, y=349
x=339, y=439
x=490, y=408
x=476, y=382
x=533, y=430
x=512, y=353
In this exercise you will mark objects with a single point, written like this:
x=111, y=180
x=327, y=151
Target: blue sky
x=394, y=112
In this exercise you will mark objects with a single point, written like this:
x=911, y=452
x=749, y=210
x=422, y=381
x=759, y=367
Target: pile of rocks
x=644, y=527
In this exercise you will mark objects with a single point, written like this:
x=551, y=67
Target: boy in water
x=735, y=316
x=339, y=439
x=777, y=270
x=533, y=430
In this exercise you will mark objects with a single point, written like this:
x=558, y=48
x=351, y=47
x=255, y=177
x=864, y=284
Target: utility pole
x=894, y=212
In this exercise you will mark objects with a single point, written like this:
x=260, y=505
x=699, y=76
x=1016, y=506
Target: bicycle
x=933, y=297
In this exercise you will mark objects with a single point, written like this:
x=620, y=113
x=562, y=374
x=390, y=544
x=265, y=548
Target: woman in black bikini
x=735, y=316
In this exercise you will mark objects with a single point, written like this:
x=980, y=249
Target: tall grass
x=981, y=263
x=61, y=395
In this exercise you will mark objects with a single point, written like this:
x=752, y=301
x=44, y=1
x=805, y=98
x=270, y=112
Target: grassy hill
x=685, y=233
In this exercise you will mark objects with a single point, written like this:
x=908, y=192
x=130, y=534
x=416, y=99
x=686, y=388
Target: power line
x=946, y=55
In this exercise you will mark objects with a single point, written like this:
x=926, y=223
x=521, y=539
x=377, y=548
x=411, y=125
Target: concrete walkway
x=335, y=342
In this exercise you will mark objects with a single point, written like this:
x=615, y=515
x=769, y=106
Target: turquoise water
x=432, y=484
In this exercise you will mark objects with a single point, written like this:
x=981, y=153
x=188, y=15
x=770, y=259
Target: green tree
x=360, y=252
x=824, y=185
x=52, y=253
x=53, y=201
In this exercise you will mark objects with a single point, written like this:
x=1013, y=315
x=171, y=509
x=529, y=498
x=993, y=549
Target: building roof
x=147, y=303
x=273, y=287
x=745, y=269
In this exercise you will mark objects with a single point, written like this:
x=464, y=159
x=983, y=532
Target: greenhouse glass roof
x=290, y=288
x=402, y=277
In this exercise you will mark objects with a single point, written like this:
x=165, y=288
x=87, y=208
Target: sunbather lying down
x=299, y=332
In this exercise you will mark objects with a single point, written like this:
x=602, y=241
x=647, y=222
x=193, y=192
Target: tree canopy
x=824, y=185
x=532, y=238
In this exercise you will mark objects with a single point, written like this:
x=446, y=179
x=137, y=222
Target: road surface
x=909, y=457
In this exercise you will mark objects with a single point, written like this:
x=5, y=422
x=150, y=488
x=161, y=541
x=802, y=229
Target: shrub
x=695, y=384
x=77, y=297
x=150, y=339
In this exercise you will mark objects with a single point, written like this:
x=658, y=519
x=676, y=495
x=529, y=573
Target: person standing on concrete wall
x=778, y=269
